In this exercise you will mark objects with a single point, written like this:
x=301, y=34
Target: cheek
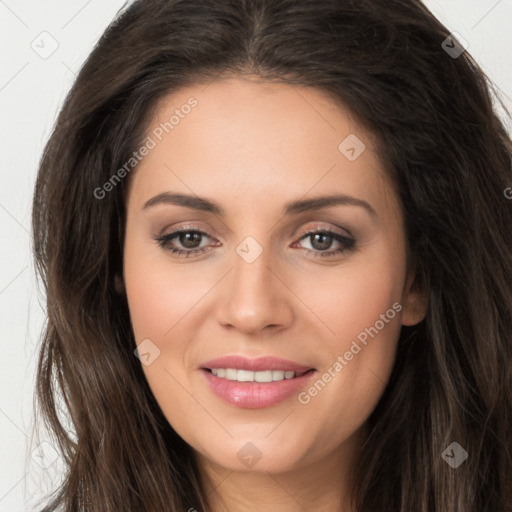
x=351, y=298
x=159, y=295
x=163, y=301
x=362, y=309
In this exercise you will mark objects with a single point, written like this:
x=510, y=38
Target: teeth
x=248, y=376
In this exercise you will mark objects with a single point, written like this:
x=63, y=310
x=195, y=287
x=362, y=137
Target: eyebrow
x=291, y=208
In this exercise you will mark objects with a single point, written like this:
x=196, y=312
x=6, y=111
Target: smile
x=249, y=391
x=249, y=376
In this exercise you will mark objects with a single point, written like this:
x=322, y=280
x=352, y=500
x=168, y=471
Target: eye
x=190, y=240
x=322, y=239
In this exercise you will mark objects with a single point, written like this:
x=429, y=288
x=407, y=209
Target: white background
x=31, y=91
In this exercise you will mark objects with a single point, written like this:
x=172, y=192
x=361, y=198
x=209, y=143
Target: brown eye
x=188, y=241
x=322, y=239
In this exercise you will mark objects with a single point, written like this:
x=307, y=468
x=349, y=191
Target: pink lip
x=255, y=365
x=255, y=395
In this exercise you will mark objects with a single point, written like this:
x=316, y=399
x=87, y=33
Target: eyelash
x=347, y=242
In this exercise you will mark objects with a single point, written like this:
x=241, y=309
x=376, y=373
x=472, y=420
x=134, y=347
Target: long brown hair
x=449, y=157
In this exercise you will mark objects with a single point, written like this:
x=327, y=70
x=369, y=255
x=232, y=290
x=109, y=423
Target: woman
x=276, y=244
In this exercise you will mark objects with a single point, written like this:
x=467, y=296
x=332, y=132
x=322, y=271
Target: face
x=262, y=273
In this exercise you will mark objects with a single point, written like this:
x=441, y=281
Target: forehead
x=249, y=139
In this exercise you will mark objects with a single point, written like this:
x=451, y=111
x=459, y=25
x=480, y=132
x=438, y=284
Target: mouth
x=261, y=376
x=258, y=365
x=255, y=383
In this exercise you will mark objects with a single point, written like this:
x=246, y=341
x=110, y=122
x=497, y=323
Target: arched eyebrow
x=291, y=208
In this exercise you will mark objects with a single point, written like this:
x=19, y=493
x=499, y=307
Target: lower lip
x=255, y=395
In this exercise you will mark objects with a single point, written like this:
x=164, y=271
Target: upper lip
x=255, y=365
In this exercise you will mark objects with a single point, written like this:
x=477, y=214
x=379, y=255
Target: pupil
x=325, y=237
x=185, y=239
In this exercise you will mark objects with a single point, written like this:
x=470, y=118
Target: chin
x=254, y=457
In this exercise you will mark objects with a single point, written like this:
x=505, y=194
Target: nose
x=254, y=297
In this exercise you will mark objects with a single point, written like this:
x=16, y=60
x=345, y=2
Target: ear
x=119, y=284
x=415, y=302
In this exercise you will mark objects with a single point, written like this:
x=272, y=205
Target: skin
x=251, y=147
